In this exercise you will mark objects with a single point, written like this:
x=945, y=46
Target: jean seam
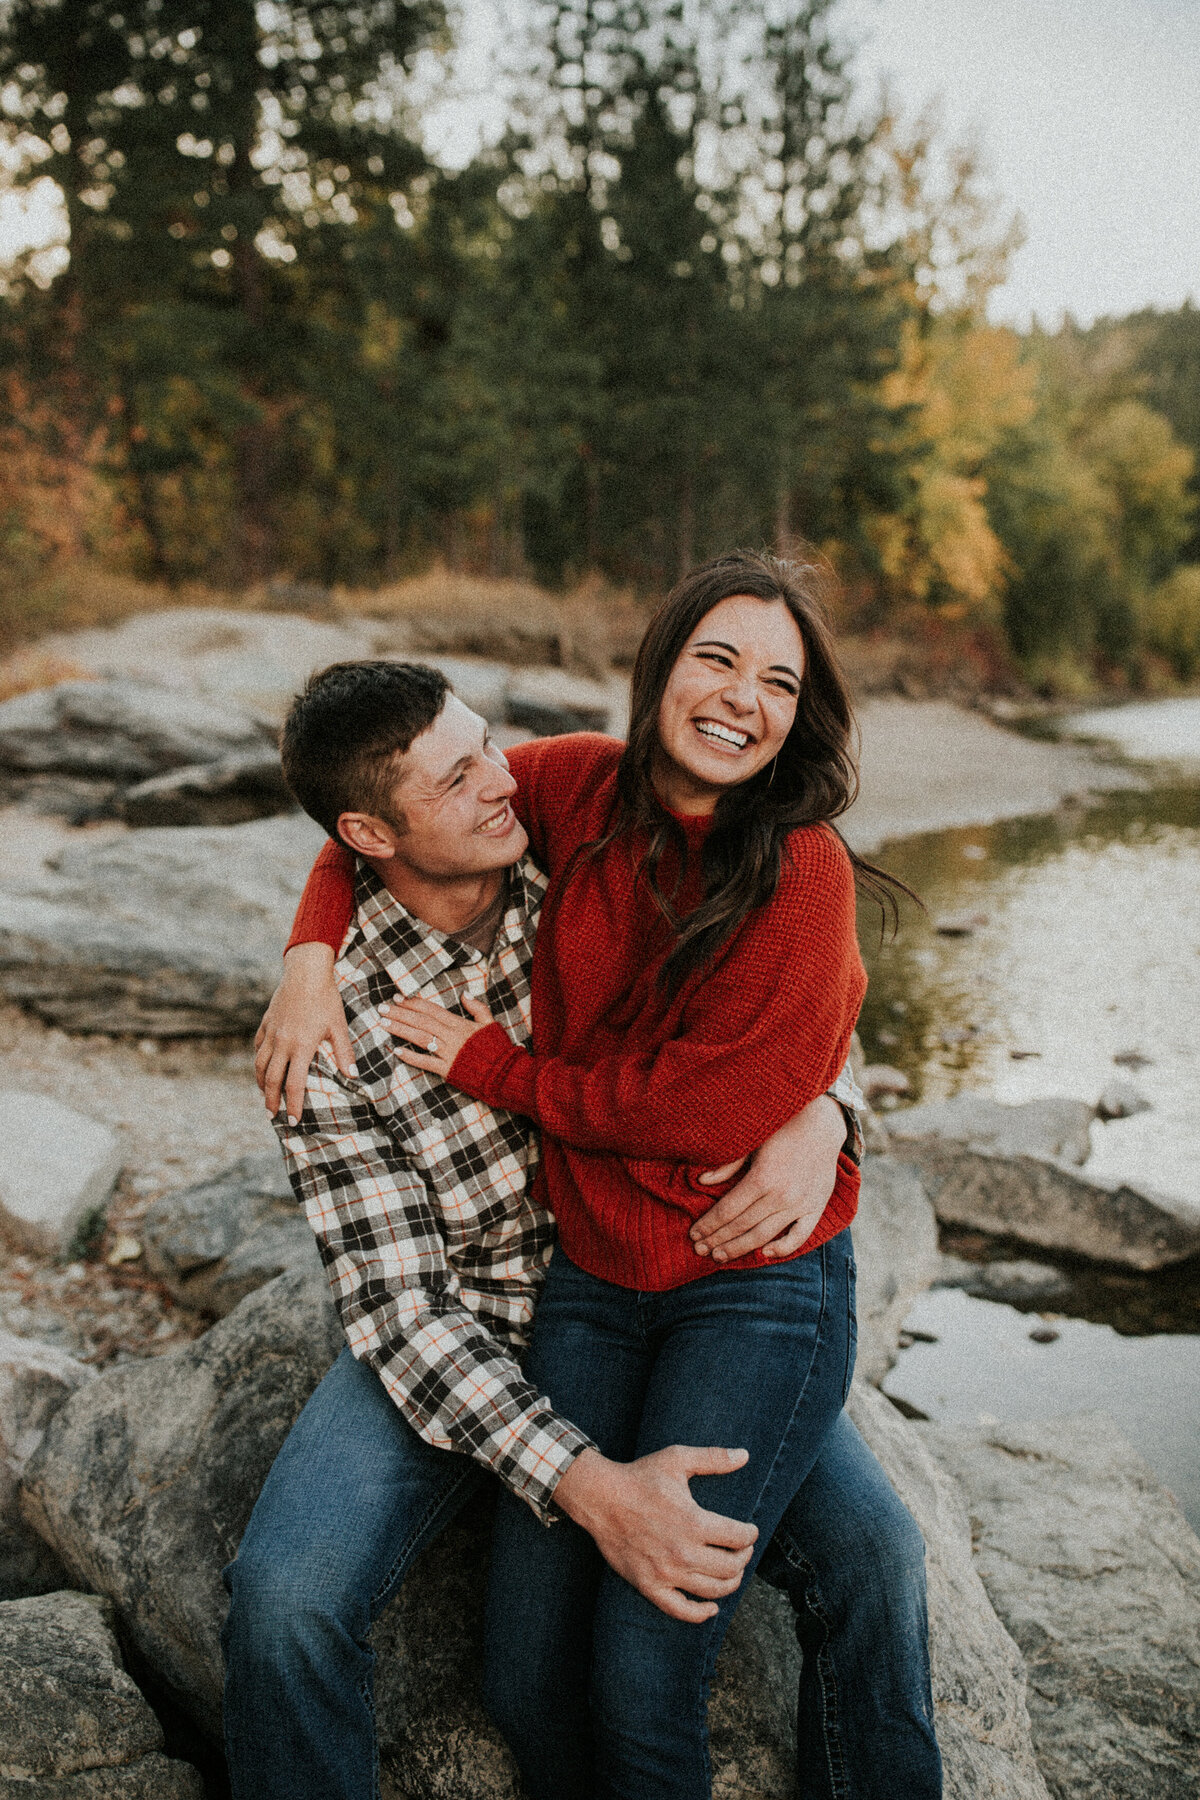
x=413, y=1542
x=818, y=1340
x=826, y=1671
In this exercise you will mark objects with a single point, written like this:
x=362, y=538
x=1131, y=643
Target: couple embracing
x=584, y=1206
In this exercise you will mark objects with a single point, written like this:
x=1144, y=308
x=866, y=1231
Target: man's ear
x=370, y=836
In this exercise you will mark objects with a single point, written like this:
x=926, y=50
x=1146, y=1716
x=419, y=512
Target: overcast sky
x=1088, y=113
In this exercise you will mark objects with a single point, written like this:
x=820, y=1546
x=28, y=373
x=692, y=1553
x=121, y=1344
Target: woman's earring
x=771, y=776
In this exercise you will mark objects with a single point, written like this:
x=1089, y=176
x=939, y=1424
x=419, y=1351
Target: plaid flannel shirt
x=421, y=1198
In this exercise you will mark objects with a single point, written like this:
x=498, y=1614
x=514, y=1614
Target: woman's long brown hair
x=814, y=777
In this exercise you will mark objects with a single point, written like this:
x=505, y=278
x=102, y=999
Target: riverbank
x=929, y=765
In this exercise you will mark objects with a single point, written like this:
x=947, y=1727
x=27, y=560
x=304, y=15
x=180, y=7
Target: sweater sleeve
x=762, y=1035
x=327, y=903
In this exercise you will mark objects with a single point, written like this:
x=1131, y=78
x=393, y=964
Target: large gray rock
x=57, y=1167
x=550, y=702
x=896, y=1250
x=1094, y=1570
x=119, y=730
x=72, y=1724
x=144, y=1484
x=228, y=792
x=979, y=1693
x=216, y=1242
x=35, y=1380
x=159, y=933
x=255, y=660
x=1016, y=1171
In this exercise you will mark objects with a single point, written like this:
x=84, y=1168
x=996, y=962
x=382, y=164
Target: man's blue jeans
x=603, y=1696
x=355, y=1495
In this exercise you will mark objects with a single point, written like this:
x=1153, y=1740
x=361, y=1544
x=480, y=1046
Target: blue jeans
x=604, y=1697
x=355, y=1495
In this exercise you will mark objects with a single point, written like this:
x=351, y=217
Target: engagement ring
x=432, y=1046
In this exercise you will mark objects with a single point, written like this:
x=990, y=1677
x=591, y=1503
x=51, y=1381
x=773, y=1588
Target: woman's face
x=729, y=702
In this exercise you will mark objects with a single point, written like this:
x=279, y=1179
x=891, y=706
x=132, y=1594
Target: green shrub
x=1170, y=620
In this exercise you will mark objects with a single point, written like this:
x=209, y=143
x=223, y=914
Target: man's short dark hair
x=344, y=733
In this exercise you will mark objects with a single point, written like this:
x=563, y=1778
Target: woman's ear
x=371, y=837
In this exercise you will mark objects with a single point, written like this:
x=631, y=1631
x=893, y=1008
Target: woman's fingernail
x=354, y=1070
x=293, y=1120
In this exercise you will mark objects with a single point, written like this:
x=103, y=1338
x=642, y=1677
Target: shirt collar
x=412, y=953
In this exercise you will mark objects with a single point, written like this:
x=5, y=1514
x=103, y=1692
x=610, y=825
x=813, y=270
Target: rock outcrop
x=216, y=1242
x=227, y=792
x=896, y=1250
x=93, y=737
x=1017, y=1171
x=550, y=702
x=1095, y=1572
x=58, y=1166
x=73, y=1726
x=159, y=933
x=144, y=1483
x=978, y=1676
x=35, y=1380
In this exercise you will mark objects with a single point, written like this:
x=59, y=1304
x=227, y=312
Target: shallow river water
x=1082, y=964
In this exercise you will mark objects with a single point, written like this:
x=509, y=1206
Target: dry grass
x=589, y=628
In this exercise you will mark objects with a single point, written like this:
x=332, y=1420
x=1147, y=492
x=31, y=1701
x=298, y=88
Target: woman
x=695, y=984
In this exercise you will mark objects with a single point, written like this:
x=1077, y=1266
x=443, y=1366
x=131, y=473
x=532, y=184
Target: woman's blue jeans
x=354, y=1497
x=604, y=1697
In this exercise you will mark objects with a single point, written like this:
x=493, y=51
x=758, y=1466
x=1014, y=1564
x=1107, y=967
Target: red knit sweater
x=638, y=1094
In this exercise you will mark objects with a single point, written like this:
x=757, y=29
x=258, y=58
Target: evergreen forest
x=701, y=291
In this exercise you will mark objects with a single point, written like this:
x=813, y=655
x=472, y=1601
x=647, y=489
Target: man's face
x=450, y=805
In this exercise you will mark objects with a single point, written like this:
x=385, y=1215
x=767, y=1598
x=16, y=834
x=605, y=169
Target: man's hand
x=650, y=1530
x=777, y=1203
x=305, y=1012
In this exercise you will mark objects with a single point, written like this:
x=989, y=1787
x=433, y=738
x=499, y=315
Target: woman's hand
x=777, y=1203
x=305, y=1012
x=431, y=1035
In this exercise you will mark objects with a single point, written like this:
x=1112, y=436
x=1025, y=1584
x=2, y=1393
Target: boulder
x=1015, y=1171
x=479, y=684
x=228, y=792
x=216, y=1242
x=73, y=1726
x=118, y=731
x=57, y=1167
x=550, y=702
x=1017, y=1281
x=144, y=1483
x=172, y=933
x=35, y=1380
x=979, y=1692
x=1094, y=1570
x=254, y=660
x=896, y=1250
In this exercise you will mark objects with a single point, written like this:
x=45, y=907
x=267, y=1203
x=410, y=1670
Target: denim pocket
x=851, y=1325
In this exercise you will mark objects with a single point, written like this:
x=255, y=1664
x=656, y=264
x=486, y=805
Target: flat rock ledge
x=1017, y=1171
x=73, y=1726
x=144, y=1482
x=216, y=1242
x=1092, y=1567
x=168, y=933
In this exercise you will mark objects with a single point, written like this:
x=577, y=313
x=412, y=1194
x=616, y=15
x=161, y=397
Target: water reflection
x=1090, y=949
x=977, y=1363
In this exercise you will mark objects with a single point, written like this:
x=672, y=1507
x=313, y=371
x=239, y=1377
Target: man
x=435, y=1247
